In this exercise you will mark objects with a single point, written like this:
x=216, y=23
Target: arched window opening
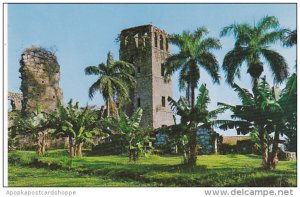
x=161, y=42
x=136, y=40
x=167, y=44
x=145, y=39
x=125, y=41
x=155, y=39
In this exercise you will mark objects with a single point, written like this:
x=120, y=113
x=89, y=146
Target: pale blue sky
x=82, y=34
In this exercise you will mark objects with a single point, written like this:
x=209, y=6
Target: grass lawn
x=57, y=169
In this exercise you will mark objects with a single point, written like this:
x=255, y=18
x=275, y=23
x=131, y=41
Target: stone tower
x=146, y=47
x=40, y=75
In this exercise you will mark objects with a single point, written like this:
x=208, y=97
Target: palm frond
x=233, y=61
x=277, y=64
x=290, y=39
x=209, y=62
x=210, y=43
x=92, y=70
x=174, y=62
x=268, y=22
x=200, y=32
x=272, y=37
x=124, y=67
x=95, y=87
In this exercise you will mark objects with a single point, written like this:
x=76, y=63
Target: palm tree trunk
x=193, y=135
x=264, y=149
x=192, y=96
x=44, y=141
x=130, y=155
x=39, y=145
x=185, y=156
x=72, y=146
x=215, y=143
x=193, y=148
x=107, y=108
x=78, y=150
x=274, y=155
x=39, y=148
x=255, y=82
x=130, y=152
x=188, y=93
x=135, y=155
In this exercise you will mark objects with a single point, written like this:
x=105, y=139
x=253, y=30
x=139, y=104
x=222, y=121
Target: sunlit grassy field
x=57, y=169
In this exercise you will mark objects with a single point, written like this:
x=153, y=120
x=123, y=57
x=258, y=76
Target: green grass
x=40, y=177
x=211, y=170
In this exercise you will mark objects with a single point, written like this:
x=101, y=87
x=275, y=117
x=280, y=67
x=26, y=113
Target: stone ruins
x=40, y=74
x=15, y=101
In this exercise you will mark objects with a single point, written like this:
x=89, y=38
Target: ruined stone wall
x=137, y=46
x=40, y=74
x=15, y=101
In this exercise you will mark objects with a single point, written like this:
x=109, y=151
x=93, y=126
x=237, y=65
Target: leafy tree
x=195, y=53
x=192, y=119
x=14, y=120
x=136, y=137
x=76, y=123
x=34, y=124
x=289, y=102
x=261, y=113
x=115, y=80
x=252, y=45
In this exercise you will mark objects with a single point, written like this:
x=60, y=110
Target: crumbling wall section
x=15, y=101
x=40, y=74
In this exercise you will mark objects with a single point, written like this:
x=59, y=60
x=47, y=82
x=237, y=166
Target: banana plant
x=78, y=124
x=34, y=124
x=193, y=118
x=262, y=112
x=137, y=138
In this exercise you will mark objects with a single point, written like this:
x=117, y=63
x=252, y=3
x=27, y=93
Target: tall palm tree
x=115, y=80
x=195, y=53
x=252, y=45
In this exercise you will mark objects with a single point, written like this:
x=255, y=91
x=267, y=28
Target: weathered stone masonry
x=40, y=74
x=15, y=101
x=147, y=48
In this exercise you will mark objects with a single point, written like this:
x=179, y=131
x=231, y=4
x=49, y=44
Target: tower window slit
x=163, y=101
x=155, y=39
x=139, y=102
x=161, y=40
x=138, y=69
x=162, y=70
